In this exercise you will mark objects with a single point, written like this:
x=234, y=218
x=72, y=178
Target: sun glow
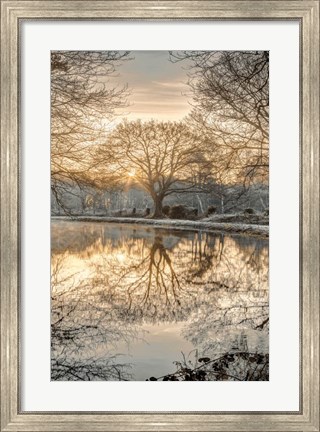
x=121, y=257
x=132, y=173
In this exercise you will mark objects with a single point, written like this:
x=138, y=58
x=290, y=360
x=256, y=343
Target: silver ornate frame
x=304, y=11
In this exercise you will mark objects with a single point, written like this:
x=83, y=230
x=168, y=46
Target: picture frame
x=12, y=13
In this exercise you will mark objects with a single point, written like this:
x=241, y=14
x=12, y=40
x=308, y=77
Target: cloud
x=171, y=85
x=157, y=86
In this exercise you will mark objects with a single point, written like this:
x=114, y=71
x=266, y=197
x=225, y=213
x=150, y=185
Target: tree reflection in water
x=109, y=282
x=83, y=333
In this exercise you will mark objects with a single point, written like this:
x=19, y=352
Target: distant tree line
x=88, y=200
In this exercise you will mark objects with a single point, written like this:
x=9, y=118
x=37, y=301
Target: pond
x=132, y=303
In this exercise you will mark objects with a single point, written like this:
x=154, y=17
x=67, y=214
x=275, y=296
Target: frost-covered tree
x=161, y=157
x=231, y=105
x=83, y=101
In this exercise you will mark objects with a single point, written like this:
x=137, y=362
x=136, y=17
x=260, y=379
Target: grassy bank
x=205, y=224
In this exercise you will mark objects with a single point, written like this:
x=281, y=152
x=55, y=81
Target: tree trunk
x=200, y=204
x=157, y=201
x=222, y=204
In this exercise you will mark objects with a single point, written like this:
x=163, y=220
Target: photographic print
x=159, y=215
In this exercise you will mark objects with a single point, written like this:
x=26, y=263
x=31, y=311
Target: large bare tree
x=161, y=157
x=231, y=105
x=83, y=101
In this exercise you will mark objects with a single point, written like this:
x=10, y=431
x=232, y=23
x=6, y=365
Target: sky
x=158, y=87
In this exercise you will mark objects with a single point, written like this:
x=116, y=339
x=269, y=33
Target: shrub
x=166, y=210
x=211, y=210
x=147, y=212
x=249, y=211
x=178, y=212
x=182, y=212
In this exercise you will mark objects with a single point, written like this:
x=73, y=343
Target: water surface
x=128, y=302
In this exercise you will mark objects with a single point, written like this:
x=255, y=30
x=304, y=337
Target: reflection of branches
x=220, y=263
x=202, y=255
x=148, y=286
x=216, y=285
x=215, y=327
x=160, y=271
x=66, y=369
x=236, y=279
x=83, y=333
x=150, y=275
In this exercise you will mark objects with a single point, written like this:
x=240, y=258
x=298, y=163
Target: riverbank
x=205, y=224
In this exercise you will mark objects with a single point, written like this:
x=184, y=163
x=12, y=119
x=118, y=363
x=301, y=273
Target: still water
x=132, y=302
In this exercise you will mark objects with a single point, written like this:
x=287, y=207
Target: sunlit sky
x=158, y=87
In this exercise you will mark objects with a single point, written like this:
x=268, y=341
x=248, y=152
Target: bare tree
x=161, y=157
x=231, y=98
x=83, y=101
